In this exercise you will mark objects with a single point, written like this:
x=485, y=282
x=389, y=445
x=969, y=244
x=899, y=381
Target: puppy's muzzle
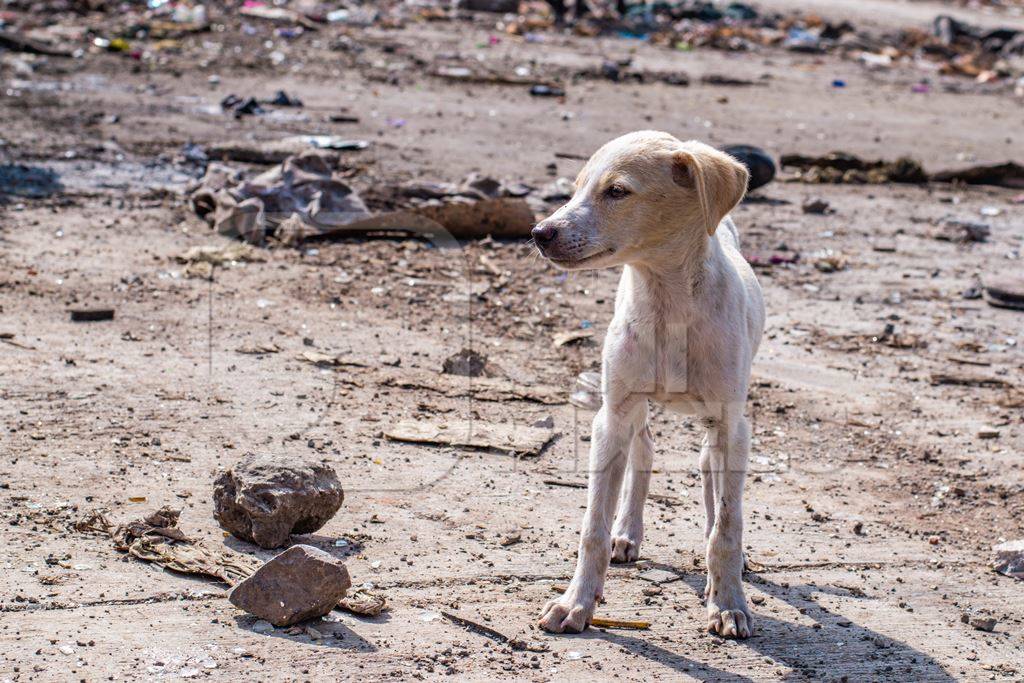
x=561, y=241
x=544, y=234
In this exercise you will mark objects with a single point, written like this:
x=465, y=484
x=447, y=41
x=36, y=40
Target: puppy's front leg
x=628, y=530
x=728, y=442
x=707, y=482
x=610, y=437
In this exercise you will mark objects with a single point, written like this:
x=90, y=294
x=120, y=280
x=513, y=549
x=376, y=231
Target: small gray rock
x=983, y=622
x=301, y=583
x=988, y=433
x=467, y=363
x=262, y=626
x=957, y=230
x=266, y=499
x=979, y=620
x=485, y=185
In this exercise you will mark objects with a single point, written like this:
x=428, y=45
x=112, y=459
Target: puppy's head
x=641, y=196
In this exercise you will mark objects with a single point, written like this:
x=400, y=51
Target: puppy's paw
x=567, y=614
x=728, y=615
x=625, y=549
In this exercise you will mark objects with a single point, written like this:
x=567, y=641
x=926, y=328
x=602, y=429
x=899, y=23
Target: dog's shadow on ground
x=811, y=651
x=639, y=647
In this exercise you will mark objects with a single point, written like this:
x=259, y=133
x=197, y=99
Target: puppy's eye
x=616, y=192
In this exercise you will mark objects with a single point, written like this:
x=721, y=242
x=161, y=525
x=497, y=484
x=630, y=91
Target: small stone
x=979, y=621
x=467, y=363
x=1005, y=290
x=265, y=499
x=757, y=599
x=301, y=583
x=262, y=626
x=511, y=538
x=816, y=205
x=956, y=230
x=485, y=185
x=988, y=433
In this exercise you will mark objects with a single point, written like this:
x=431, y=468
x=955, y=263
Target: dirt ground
x=872, y=502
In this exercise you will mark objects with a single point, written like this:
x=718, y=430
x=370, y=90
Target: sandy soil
x=872, y=503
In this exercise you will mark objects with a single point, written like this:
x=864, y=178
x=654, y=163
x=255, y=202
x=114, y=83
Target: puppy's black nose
x=544, y=234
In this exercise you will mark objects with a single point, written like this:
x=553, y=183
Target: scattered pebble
x=262, y=626
x=979, y=621
x=817, y=206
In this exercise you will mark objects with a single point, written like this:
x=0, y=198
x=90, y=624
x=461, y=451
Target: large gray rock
x=266, y=499
x=301, y=583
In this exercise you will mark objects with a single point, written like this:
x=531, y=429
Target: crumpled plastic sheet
x=156, y=538
x=363, y=603
x=303, y=188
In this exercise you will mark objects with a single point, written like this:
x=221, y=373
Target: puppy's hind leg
x=628, y=530
x=729, y=447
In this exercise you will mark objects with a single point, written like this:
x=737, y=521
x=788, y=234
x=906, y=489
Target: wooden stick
x=604, y=622
x=567, y=484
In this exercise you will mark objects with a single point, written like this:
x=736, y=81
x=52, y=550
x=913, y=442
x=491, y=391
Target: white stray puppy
x=688, y=320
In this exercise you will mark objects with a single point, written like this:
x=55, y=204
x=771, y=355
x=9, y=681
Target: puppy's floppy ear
x=719, y=181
